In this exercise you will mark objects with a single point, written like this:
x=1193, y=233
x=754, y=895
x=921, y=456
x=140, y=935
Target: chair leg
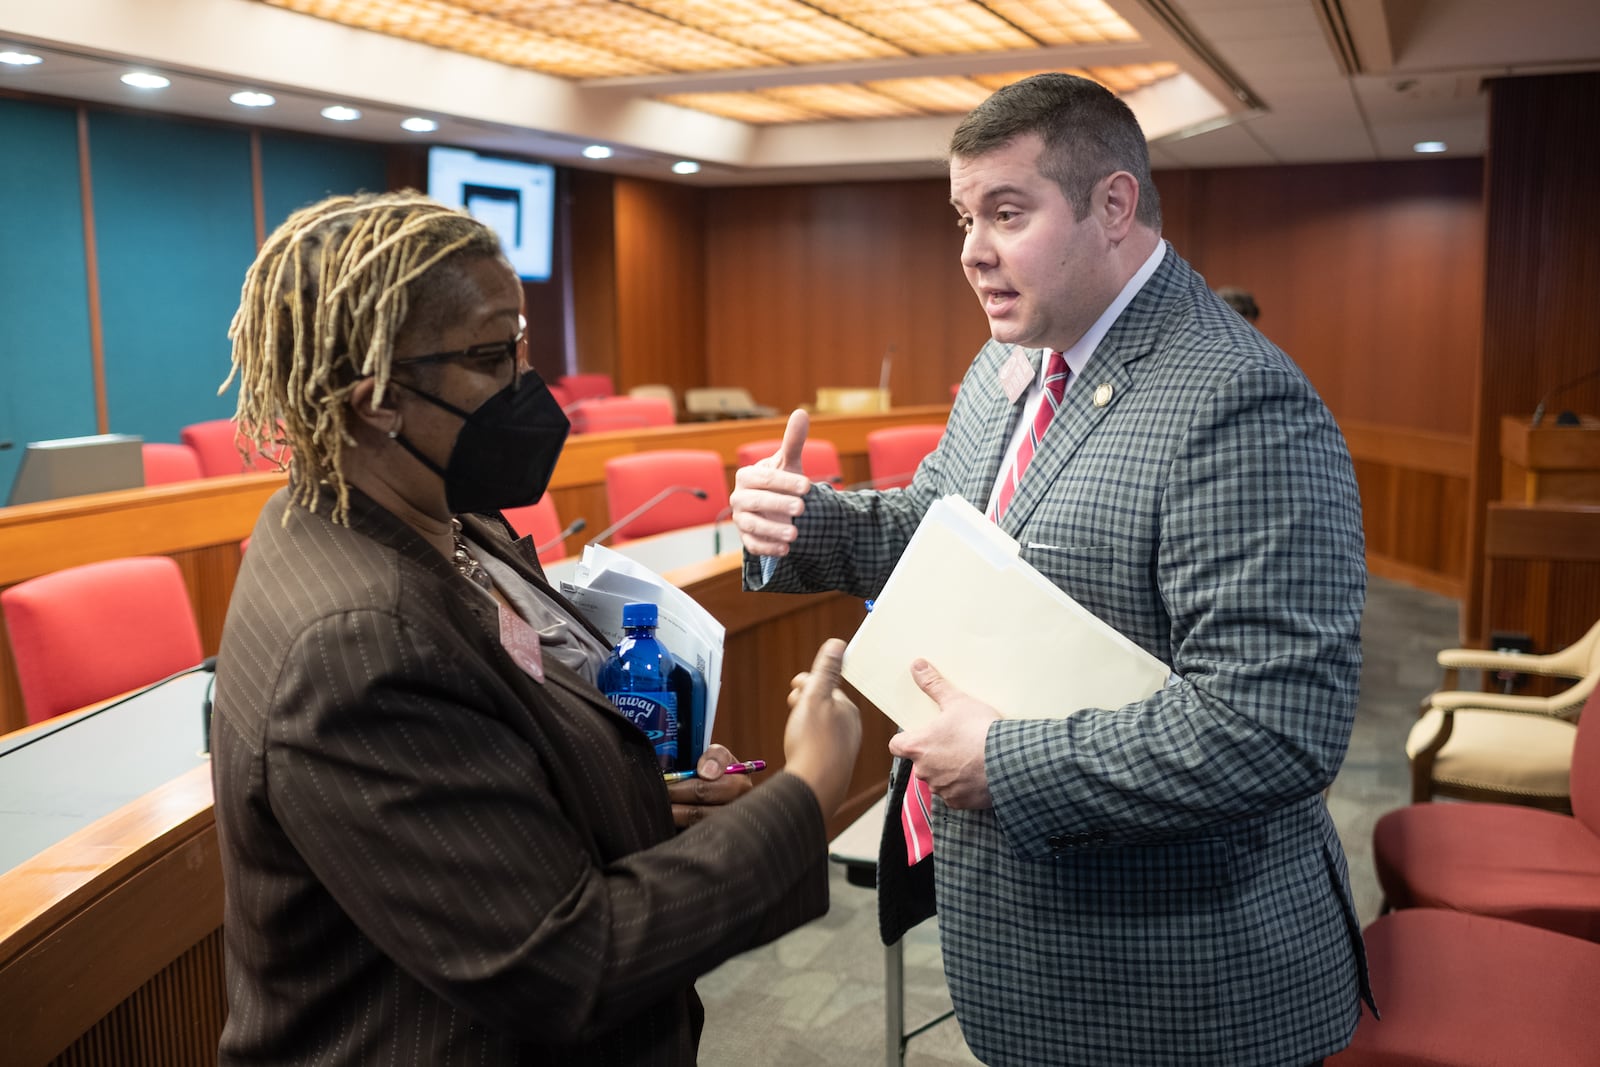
x=894, y=1004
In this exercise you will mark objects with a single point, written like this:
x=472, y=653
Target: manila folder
x=962, y=598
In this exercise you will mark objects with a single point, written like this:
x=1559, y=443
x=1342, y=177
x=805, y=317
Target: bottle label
x=654, y=713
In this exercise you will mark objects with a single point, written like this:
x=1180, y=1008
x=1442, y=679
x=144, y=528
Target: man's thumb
x=794, y=439
x=929, y=680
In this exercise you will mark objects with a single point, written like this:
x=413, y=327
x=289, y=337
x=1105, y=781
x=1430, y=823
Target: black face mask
x=506, y=450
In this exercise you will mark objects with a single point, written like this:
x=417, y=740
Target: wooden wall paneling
x=1368, y=275
x=590, y=212
x=757, y=266
x=661, y=295
x=808, y=286
x=1541, y=317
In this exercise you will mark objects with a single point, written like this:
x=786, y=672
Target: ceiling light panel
x=596, y=39
x=931, y=27
x=892, y=97
x=1057, y=22
x=455, y=28
x=752, y=107
x=842, y=101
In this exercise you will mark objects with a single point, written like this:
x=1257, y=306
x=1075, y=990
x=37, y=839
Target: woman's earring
x=394, y=433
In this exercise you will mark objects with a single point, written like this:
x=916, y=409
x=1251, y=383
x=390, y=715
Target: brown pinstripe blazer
x=430, y=858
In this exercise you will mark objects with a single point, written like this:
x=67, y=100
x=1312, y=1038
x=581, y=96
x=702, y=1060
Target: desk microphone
x=1538, y=412
x=671, y=490
x=572, y=527
x=716, y=529
x=208, y=664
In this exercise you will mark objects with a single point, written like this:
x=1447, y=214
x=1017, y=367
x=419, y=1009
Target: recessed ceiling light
x=597, y=151
x=686, y=166
x=250, y=98
x=418, y=124
x=19, y=59
x=140, y=79
x=146, y=80
x=1427, y=147
x=340, y=113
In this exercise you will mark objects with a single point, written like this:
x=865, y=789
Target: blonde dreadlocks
x=320, y=310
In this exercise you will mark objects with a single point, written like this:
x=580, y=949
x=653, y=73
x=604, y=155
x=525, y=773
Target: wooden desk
x=114, y=924
x=111, y=937
x=200, y=524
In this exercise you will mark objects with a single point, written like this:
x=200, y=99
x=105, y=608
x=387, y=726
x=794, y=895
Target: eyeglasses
x=485, y=358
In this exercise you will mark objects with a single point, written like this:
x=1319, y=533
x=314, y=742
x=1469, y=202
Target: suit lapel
x=1109, y=376
x=996, y=419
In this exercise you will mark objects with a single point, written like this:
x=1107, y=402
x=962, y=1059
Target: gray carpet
x=816, y=996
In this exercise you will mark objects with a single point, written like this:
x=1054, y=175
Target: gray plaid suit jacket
x=430, y=858
x=1158, y=884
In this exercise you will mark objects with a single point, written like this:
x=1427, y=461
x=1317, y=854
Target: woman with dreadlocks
x=440, y=843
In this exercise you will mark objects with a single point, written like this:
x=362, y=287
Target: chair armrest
x=1479, y=659
x=1523, y=705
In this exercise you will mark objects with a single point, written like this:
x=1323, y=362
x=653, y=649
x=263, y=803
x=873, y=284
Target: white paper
x=606, y=580
x=962, y=598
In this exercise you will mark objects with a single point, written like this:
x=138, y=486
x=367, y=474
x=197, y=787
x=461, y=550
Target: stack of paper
x=605, y=580
x=962, y=598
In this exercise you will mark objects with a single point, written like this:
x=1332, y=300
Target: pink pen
x=749, y=766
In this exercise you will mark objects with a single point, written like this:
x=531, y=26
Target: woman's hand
x=823, y=734
x=695, y=798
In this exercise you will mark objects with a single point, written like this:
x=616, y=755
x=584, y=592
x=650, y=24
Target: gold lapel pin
x=1102, y=394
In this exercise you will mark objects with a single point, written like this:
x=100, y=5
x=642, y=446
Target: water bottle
x=689, y=686
x=638, y=680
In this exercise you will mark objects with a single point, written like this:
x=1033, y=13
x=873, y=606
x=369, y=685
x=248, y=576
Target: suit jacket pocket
x=1164, y=877
x=1104, y=579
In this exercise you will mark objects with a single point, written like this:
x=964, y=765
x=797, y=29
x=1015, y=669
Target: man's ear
x=1116, y=199
x=382, y=417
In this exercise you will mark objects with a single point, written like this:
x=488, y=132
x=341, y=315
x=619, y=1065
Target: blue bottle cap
x=638, y=615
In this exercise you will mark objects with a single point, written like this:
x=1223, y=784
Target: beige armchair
x=1503, y=748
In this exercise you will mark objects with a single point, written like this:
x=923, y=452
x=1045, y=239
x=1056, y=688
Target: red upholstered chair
x=1506, y=861
x=1465, y=991
x=165, y=463
x=88, y=633
x=634, y=479
x=216, y=445
x=818, y=459
x=893, y=454
x=587, y=386
x=541, y=522
x=619, y=413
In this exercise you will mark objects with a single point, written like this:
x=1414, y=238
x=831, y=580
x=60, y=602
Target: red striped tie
x=914, y=815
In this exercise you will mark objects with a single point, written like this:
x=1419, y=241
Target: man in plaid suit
x=1157, y=884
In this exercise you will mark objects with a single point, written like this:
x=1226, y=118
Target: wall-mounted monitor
x=515, y=199
x=72, y=466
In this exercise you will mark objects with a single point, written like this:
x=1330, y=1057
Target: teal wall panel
x=175, y=230
x=297, y=171
x=46, y=366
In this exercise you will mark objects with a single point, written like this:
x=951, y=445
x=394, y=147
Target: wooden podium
x=1549, y=463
